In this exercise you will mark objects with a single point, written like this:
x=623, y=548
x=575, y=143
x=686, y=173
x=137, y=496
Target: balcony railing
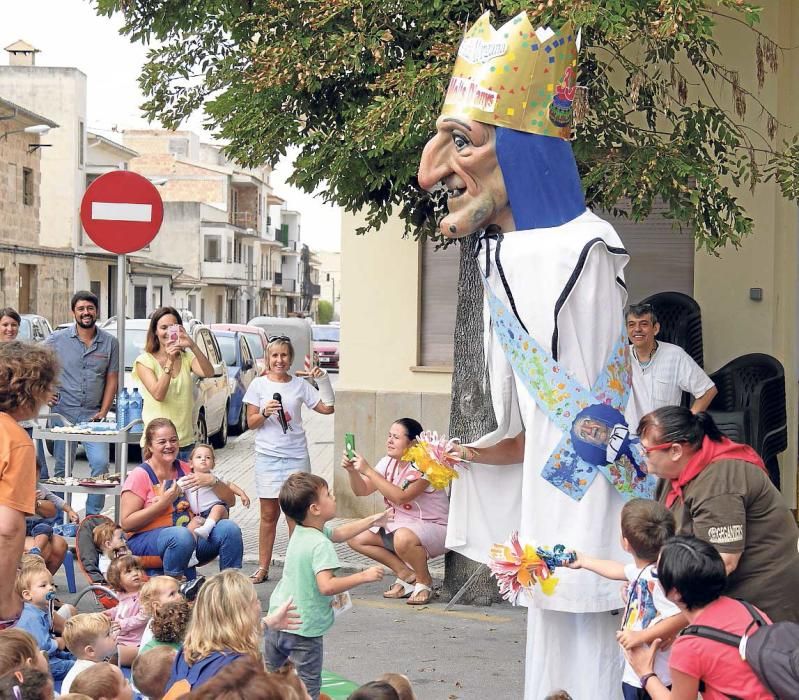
x=289, y=285
x=314, y=289
x=244, y=219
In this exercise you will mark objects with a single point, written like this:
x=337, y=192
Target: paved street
x=466, y=653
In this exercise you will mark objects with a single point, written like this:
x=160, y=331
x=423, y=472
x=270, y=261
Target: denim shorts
x=271, y=472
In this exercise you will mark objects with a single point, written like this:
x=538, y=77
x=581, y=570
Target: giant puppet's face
x=462, y=157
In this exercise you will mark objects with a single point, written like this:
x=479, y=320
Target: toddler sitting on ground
x=151, y=671
x=35, y=586
x=158, y=591
x=169, y=625
x=126, y=577
x=90, y=639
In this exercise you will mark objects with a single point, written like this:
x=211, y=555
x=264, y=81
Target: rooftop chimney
x=20, y=53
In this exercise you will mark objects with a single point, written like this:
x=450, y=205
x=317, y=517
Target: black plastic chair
x=750, y=406
x=680, y=322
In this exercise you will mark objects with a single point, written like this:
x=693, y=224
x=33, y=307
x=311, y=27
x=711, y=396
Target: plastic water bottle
x=135, y=407
x=123, y=409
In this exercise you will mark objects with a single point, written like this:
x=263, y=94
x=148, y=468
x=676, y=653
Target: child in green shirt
x=309, y=575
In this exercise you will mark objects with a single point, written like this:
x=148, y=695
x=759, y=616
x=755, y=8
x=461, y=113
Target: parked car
x=298, y=330
x=241, y=370
x=34, y=328
x=211, y=394
x=255, y=337
x=326, y=346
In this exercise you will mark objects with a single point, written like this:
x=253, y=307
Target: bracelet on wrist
x=645, y=679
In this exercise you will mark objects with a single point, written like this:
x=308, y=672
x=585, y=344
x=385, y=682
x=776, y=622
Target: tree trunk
x=471, y=413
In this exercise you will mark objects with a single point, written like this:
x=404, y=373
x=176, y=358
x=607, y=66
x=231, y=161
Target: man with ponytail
x=719, y=491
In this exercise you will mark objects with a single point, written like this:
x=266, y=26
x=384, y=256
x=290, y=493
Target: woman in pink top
x=419, y=527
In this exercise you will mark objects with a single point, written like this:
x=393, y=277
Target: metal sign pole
x=121, y=445
x=122, y=274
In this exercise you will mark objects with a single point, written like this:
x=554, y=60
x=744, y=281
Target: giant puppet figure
x=559, y=467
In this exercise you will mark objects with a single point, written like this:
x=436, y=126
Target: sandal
x=399, y=589
x=422, y=595
x=260, y=575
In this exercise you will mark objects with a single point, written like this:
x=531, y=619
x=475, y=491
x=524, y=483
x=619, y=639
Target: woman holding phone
x=274, y=411
x=419, y=527
x=164, y=372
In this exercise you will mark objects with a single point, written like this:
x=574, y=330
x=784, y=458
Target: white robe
x=574, y=272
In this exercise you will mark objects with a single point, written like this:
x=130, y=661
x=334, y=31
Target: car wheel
x=220, y=438
x=202, y=429
x=240, y=426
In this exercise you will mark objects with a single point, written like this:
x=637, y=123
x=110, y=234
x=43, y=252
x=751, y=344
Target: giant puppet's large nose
x=433, y=166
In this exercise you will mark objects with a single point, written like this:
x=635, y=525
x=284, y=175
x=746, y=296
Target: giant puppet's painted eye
x=460, y=141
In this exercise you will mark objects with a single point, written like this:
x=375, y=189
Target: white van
x=298, y=330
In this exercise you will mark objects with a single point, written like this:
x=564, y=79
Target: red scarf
x=711, y=451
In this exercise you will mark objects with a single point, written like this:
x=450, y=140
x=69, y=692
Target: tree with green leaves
x=354, y=87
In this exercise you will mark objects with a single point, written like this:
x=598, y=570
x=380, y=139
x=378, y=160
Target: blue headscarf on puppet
x=541, y=179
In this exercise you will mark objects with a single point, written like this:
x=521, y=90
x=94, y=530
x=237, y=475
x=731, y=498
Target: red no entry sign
x=121, y=211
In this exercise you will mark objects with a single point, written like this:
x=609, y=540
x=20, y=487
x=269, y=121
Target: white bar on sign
x=117, y=211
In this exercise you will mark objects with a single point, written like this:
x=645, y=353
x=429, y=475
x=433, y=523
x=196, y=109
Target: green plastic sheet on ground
x=336, y=687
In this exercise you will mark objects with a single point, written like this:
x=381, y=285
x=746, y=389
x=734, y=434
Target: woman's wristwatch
x=167, y=369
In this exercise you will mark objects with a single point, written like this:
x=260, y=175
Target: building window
x=27, y=187
x=179, y=147
x=81, y=139
x=213, y=249
x=95, y=288
x=139, y=302
x=12, y=183
x=230, y=252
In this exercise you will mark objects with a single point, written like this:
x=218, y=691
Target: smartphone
x=172, y=333
x=349, y=445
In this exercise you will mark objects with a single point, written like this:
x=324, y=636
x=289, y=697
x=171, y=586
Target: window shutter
x=438, y=302
x=661, y=257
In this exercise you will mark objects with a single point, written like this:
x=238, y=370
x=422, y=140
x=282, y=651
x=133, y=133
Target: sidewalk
x=236, y=463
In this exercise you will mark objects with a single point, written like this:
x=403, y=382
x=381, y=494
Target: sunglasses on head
x=276, y=338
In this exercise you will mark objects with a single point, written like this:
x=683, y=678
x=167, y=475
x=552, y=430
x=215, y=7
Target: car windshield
x=255, y=344
x=227, y=344
x=25, y=329
x=328, y=334
x=135, y=339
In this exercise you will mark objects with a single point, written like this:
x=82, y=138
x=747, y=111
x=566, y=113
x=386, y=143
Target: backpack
x=771, y=650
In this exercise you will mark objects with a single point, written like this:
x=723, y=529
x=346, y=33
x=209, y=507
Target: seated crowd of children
x=219, y=642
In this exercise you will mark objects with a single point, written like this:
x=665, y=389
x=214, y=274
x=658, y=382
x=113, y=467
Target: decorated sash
x=595, y=434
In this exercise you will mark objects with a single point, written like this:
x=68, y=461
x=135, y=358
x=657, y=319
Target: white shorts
x=271, y=472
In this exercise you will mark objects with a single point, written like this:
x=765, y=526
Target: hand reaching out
x=628, y=639
x=315, y=372
x=373, y=573
x=285, y=617
x=381, y=519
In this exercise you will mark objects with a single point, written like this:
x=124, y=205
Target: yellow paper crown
x=510, y=77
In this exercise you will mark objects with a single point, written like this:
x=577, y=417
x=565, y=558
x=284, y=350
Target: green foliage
x=356, y=86
x=324, y=311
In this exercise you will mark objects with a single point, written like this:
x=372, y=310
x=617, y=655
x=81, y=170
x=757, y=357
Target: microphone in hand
x=281, y=414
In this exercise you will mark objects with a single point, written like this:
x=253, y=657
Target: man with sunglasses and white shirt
x=661, y=372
